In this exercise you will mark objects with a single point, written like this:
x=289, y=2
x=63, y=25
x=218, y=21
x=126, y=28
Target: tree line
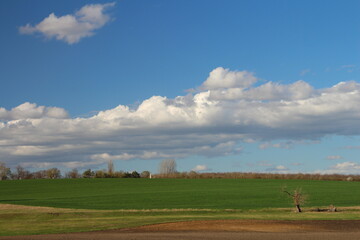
x=167, y=169
x=55, y=173
x=252, y=175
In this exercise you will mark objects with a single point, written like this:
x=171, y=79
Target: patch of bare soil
x=22, y=207
x=221, y=229
x=253, y=226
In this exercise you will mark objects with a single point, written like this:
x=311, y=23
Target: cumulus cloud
x=200, y=168
x=194, y=124
x=347, y=166
x=267, y=91
x=225, y=78
x=343, y=168
x=71, y=28
x=31, y=110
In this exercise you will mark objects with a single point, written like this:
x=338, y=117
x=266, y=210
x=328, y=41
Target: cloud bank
x=71, y=28
x=227, y=109
x=342, y=168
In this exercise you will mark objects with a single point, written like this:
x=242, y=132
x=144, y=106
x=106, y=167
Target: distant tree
x=145, y=174
x=100, y=174
x=167, y=166
x=297, y=196
x=5, y=172
x=73, y=174
x=88, y=174
x=53, y=173
x=192, y=174
x=21, y=173
x=120, y=174
x=127, y=175
x=110, y=168
x=39, y=174
x=135, y=174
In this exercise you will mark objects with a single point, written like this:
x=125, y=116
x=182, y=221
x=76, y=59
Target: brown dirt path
x=254, y=226
x=221, y=229
x=198, y=236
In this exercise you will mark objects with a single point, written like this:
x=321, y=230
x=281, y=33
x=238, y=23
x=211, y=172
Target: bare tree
x=5, y=172
x=110, y=168
x=73, y=174
x=53, y=173
x=39, y=174
x=21, y=173
x=167, y=166
x=297, y=196
x=100, y=174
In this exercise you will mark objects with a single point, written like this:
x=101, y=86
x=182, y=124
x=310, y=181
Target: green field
x=96, y=204
x=174, y=193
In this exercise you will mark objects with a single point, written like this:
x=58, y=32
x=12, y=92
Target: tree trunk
x=298, y=209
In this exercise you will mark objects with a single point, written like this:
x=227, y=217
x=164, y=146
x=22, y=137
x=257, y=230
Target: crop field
x=73, y=205
x=109, y=194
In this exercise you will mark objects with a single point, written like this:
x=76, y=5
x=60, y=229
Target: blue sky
x=246, y=54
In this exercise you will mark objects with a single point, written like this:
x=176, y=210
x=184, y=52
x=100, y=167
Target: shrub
x=145, y=174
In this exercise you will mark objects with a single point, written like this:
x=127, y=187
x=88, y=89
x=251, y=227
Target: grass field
x=174, y=193
x=20, y=220
x=98, y=204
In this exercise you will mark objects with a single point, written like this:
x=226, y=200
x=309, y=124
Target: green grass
x=98, y=204
x=110, y=194
x=26, y=221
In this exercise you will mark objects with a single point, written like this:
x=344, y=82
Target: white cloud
x=346, y=166
x=70, y=165
x=195, y=124
x=31, y=110
x=334, y=157
x=281, y=167
x=285, y=145
x=200, y=168
x=278, y=169
x=71, y=28
x=267, y=91
x=105, y=157
x=342, y=168
x=224, y=78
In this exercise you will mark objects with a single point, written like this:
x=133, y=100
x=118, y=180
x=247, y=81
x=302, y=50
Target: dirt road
x=221, y=229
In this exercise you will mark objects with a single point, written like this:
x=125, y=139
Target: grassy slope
x=15, y=221
x=173, y=193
